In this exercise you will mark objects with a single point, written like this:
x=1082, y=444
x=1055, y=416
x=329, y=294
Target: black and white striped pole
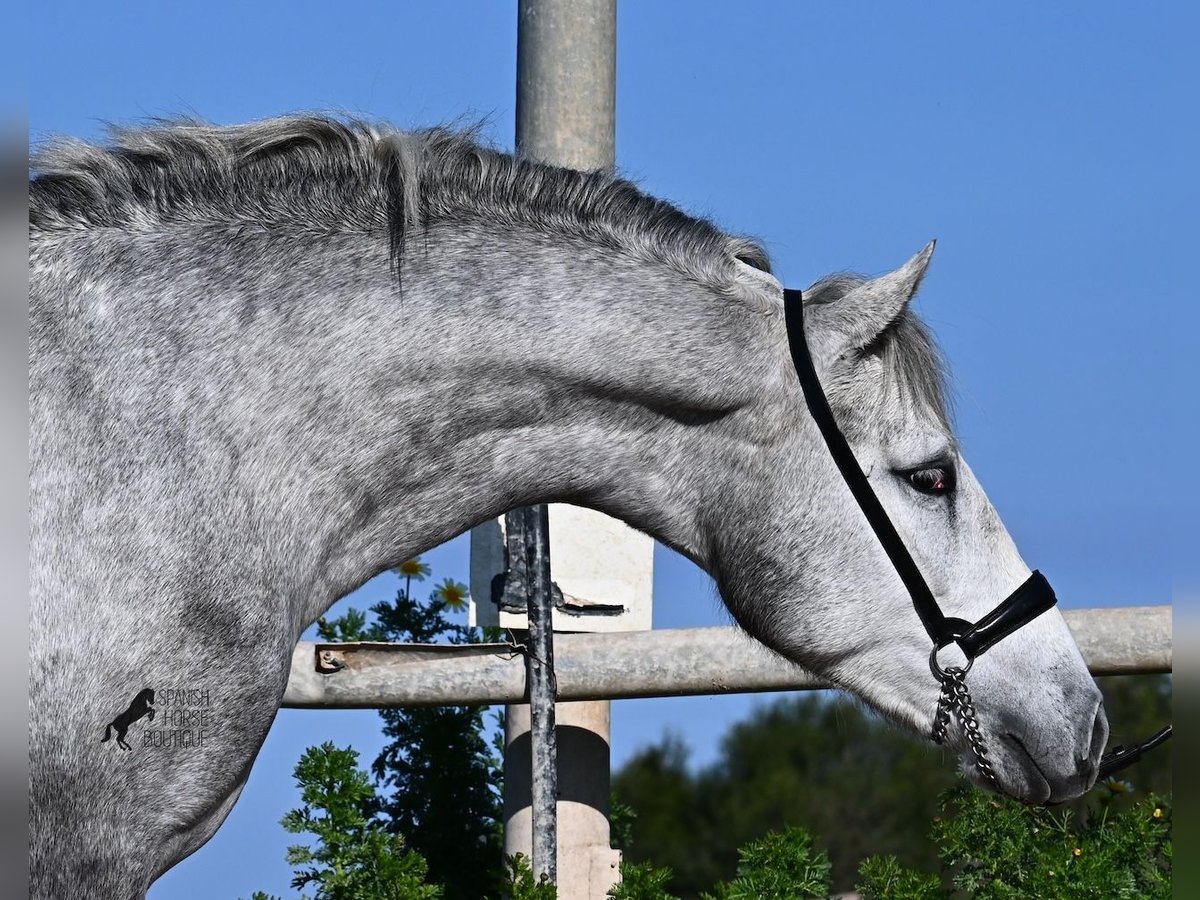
x=526, y=582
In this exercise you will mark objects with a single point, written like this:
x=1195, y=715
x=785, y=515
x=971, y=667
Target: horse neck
x=513, y=369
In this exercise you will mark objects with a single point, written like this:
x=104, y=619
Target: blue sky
x=1043, y=145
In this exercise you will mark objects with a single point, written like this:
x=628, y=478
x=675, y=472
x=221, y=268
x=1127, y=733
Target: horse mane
x=907, y=350
x=321, y=174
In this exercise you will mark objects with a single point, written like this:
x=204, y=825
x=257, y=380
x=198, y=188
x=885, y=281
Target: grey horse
x=264, y=367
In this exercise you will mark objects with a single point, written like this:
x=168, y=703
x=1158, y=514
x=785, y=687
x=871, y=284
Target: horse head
x=804, y=572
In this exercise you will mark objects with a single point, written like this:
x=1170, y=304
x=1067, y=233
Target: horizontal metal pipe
x=666, y=663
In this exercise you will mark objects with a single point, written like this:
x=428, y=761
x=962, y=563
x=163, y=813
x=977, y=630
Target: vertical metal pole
x=539, y=662
x=566, y=115
x=567, y=82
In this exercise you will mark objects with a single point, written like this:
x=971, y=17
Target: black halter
x=1020, y=608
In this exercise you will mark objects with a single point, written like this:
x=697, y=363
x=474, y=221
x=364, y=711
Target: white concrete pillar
x=587, y=865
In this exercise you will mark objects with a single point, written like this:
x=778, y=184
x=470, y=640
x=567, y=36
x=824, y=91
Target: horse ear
x=869, y=308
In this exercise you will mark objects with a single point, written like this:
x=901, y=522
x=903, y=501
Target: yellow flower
x=452, y=594
x=1158, y=813
x=1078, y=851
x=412, y=568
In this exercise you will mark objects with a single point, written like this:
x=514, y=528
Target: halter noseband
x=1020, y=608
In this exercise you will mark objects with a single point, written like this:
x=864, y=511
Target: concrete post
x=566, y=115
x=587, y=865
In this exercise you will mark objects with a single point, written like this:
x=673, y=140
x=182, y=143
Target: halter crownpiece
x=1018, y=609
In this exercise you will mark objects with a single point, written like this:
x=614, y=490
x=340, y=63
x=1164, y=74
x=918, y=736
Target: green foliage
x=989, y=849
x=442, y=775
x=994, y=849
x=783, y=865
x=621, y=817
x=521, y=883
x=642, y=881
x=832, y=767
x=345, y=629
x=885, y=877
x=353, y=857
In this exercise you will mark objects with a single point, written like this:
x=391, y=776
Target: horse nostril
x=1088, y=767
x=1099, y=735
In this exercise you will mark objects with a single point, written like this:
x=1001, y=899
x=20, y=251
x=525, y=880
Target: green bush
x=827, y=764
x=522, y=885
x=783, y=865
x=884, y=876
x=354, y=857
x=993, y=849
x=642, y=881
x=989, y=849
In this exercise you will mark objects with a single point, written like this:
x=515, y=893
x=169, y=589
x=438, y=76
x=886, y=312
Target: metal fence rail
x=668, y=663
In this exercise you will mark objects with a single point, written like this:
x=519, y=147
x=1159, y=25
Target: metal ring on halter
x=938, y=672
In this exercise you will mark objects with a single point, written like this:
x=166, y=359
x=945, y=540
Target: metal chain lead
x=957, y=699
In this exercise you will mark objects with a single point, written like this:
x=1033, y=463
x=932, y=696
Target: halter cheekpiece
x=1021, y=607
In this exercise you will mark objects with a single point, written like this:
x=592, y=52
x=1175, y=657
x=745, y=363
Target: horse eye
x=934, y=480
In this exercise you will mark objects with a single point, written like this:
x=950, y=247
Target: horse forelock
x=906, y=349
x=323, y=174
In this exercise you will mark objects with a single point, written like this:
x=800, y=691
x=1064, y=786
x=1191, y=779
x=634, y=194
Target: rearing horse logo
x=141, y=706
